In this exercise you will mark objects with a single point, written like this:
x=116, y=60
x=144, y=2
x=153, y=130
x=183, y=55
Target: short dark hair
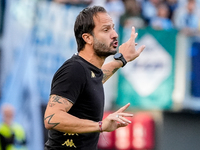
x=85, y=24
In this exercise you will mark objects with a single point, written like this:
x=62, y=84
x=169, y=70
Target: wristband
x=100, y=126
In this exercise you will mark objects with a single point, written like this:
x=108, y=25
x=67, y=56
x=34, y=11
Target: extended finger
x=124, y=119
x=136, y=34
x=125, y=114
x=123, y=108
x=132, y=38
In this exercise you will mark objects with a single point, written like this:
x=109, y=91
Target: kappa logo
x=92, y=75
x=69, y=143
x=72, y=134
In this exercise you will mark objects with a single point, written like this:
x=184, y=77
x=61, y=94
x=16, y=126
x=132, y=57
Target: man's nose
x=114, y=34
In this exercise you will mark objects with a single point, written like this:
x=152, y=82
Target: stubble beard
x=102, y=50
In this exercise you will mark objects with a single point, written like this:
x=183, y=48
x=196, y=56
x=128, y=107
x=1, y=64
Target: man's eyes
x=107, y=29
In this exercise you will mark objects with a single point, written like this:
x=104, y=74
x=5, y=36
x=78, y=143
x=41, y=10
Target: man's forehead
x=102, y=18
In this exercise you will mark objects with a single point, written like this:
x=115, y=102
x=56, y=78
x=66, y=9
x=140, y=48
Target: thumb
x=140, y=49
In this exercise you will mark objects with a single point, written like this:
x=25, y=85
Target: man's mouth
x=115, y=44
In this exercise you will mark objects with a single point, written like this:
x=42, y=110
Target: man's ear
x=88, y=38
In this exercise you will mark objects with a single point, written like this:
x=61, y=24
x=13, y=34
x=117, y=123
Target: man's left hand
x=128, y=48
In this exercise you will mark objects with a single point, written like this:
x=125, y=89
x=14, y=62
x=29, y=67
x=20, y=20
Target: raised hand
x=116, y=119
x=128, y=48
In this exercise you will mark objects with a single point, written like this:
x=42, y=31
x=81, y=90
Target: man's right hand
x=116, y=119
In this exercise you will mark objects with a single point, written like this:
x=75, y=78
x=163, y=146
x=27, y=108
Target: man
x=12, y=135
x=75, y=108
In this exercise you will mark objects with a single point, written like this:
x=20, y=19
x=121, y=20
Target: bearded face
x=104, y=50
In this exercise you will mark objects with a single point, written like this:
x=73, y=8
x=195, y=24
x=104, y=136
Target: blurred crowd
x=158, y=14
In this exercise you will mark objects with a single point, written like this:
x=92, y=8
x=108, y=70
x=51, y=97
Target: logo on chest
x=93, y=74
